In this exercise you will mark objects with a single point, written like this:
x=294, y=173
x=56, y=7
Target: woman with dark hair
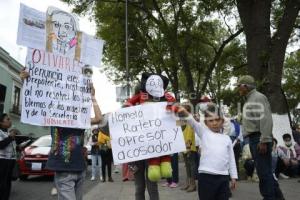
x=7, y=155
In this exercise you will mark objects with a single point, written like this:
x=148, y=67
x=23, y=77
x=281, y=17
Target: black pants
x=213, y=187
x=106, y=157
x=249, y=166
x=142, y=182
x=6, y=169
x=237, y=149
x=174, y=165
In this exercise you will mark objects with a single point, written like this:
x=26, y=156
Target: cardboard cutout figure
x=153, y=88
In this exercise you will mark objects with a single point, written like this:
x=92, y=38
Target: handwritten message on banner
x=57, y=93
x=144, y=131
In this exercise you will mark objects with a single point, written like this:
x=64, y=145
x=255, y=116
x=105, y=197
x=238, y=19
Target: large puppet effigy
x=153, y=89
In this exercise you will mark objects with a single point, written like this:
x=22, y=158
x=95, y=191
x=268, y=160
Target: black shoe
x=110, y=179
x=230, y=194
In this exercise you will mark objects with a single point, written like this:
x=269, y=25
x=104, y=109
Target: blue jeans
x=96, y=164
x=268, y=186
x=69, y=185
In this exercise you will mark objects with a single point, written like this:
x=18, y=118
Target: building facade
x=10, y=95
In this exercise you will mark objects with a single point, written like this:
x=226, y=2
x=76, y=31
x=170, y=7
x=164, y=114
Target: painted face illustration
x=63, y=27
x=62, y=32
x=155, y=86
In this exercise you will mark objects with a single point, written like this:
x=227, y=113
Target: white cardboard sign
x=144, y=131
x=57, y=93
x=58, y=32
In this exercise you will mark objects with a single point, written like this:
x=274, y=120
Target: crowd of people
x=217, y=148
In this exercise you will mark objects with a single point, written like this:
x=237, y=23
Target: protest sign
x=91, y=52
x=57, y=31
x=57, y=93
x=31, y=28
x=144, y=131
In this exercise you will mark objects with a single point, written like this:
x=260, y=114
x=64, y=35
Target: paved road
x=38, y=188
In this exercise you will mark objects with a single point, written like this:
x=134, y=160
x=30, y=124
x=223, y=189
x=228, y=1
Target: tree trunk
x=265, y=56
x=187, y=72
x=255, y=17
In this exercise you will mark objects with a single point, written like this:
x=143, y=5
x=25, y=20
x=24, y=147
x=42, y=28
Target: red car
x=34, y=157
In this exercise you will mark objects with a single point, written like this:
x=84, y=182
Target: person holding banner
x=148, y=172
x=66, y=157
x=217, y=160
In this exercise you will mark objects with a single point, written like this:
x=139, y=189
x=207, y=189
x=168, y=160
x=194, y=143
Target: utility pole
x=126, y=48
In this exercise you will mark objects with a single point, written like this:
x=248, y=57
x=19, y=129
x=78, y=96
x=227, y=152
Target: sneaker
x=173, y=185
x=53, y=191
x=274, y=176
x=93, y=178
x=166, y=184
x=283, y=176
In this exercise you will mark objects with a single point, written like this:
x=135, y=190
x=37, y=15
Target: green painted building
x=10, y=94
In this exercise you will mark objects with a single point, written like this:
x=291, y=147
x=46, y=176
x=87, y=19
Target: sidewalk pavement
x=119, y=190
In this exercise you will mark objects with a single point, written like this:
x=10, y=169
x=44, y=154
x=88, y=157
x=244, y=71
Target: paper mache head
x=154, y=84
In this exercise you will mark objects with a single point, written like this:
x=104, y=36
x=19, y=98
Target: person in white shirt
x=217, y=160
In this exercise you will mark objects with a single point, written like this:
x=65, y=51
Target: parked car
x=34, y=157
x=22, y=141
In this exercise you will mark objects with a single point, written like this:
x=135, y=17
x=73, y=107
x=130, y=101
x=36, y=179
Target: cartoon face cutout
x=155, y=86
x=64, y=27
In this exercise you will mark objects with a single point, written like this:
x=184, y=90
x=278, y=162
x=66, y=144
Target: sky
x=9, y=9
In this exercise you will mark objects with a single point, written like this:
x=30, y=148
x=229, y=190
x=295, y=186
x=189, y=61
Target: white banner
x=144, y=131
x=57, y=93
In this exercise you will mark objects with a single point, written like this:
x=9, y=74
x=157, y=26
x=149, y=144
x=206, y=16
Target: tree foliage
x=268, y=25
x=185, y=39
x=291, y=79
x=198, y=43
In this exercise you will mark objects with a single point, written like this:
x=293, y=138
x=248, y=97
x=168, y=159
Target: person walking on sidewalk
x=257, y=124
x=95, y=155
x=106, y=155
